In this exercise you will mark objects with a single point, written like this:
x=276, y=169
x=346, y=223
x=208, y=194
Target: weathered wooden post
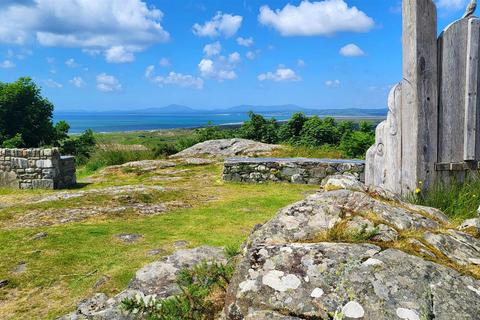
x=419, y=115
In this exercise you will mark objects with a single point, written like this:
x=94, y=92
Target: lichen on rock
x=356, y=253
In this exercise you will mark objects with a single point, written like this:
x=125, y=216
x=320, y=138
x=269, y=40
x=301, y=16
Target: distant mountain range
x=270, y=110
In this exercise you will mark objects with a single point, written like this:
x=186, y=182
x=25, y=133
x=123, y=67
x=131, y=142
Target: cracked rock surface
x=356, y=253
x=157, y=279
x=225, y=148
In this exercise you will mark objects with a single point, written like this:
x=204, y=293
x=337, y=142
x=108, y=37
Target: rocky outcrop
x=157, y=280
x=350, y=252
x=226, y=148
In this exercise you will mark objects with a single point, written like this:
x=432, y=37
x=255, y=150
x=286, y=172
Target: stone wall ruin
x=293, y=170
x=36, y=169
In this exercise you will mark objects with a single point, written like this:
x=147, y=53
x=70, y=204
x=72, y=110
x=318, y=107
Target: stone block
x=20, y=163
x=304, y=171
x=9, y=179
x=44, y=163
x=43, y=184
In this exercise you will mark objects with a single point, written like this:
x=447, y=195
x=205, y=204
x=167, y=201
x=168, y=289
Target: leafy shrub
x=104, y=158
x=211, y=132
x=317, y=132
x=291, y=131
x=24, y=111
x=164, y=149
x=356, y=143
x=15, y=142
x=81, y=146
x=260, y=129
x=201, y=297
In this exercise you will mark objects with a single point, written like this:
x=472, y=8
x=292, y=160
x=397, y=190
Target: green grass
x=63, y=267
x=147, y=138
x=104, y=158
x=457, y=201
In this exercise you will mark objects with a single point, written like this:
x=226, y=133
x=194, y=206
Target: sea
x=122, y=121
x=142, y=121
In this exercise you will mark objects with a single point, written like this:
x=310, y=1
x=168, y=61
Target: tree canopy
x=25, y=115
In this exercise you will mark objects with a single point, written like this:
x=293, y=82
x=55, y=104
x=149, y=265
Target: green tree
x=81, y=146
x=24, y=111
x=345, y=127
x=290, y=131
x=317, y=132
x=366, y=126
x=260, y=129
x=356, y=143
x=60, y=132
x=15, y=142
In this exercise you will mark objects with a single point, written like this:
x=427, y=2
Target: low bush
x=15, y=142
x=81, y=146
x=353, y=140
x=164, y=149
x=104, y=158
x=201, y=297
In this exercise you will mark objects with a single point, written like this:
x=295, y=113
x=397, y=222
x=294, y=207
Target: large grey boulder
x=225, y=148
x=156, y=280
x=356, y=253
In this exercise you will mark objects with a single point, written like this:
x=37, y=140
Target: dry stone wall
x=297, y=170
x=36, y=169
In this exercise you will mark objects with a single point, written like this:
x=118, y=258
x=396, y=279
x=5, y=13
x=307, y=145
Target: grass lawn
x=63, y=268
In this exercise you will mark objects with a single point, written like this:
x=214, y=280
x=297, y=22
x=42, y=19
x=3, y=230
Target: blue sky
x=131, y=54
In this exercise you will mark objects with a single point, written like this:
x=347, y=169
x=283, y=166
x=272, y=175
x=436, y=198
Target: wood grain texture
x=452, y=51
x=393, y=141
x=419, y=94
x=471, y=91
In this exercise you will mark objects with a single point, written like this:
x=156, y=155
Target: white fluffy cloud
x=149, y=71
x=175, y=79
x=245, y=42
x=108, y=83
x=221, y=24
x=119, y=54
x=319, y=18
x=78, y=82
x=351, y=50
x=332, y=83
x=88, y=24
x=71, y=63
x=220, y=70
x=301, y=63
x=164, y=62
x=281, y=74
x=212, y=49
x=234, y=58
x=52, y=84
x=217, y=66
x=452, y=4
x=250, y=55
x=7, y=64
x=178, y=79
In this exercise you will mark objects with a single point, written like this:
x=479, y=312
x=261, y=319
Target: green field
x=49, y=276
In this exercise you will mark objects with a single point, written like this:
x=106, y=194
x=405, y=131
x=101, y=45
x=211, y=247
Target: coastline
x=234, y=125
